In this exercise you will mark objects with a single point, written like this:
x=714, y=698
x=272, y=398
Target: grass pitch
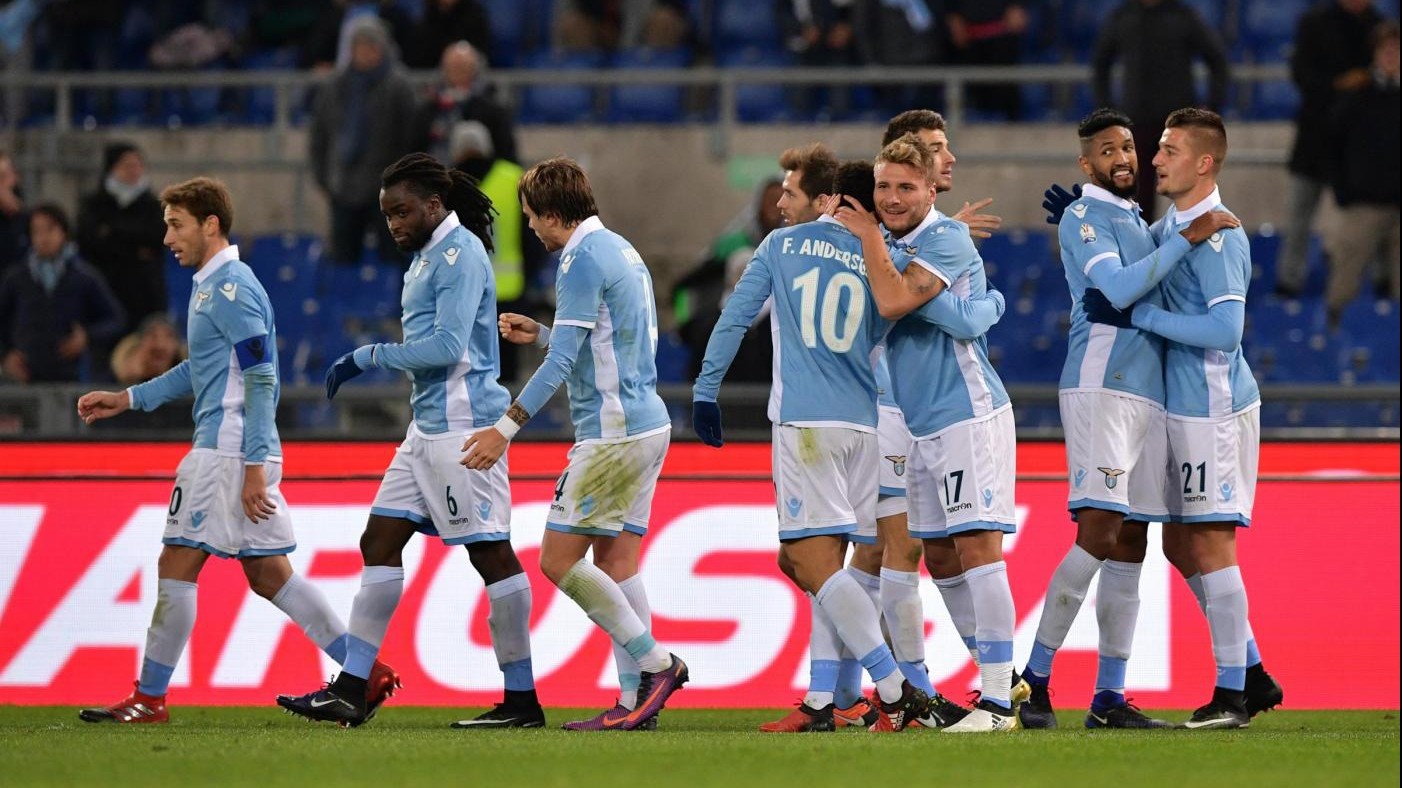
x=414, y=746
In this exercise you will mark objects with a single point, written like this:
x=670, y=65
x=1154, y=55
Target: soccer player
x=604, y=344
x=450, y=352
x=1213, y=408
x=226, y=500
x=961, y=466
x=1112, y=396
x=824, y=411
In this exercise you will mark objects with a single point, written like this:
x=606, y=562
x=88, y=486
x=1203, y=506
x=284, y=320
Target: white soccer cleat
x=987, y=717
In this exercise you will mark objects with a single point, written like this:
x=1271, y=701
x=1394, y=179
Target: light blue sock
x=518, y=675
x=918, y=677
x=1253, y=654
x=155, y=678
x=336, y=649
x=849, y=683
x=1039, y=665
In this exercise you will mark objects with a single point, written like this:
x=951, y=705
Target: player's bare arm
x=897, y=294
x=517, y=329
x=257, y=504
x=981, y=225
x=97, y=405
x=484, y=447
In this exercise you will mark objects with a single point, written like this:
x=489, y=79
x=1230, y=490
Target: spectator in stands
x=358, y=128
x=149, y=351
x=329, y=44
x=1157, y=42
x=1331, y=55
x=899, y=34
x=988, y=33
x=1365, y=136
x=819, y=33
x=120, y=232
x=54, y=308
x=620, y=24
x=461, y=96
x=14, y=221
x=446, y=22
x=517, y=255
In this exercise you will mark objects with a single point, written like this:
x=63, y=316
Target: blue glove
x=1099, y=310
x=705, y=421
x=344, y=369
x=1057, y=200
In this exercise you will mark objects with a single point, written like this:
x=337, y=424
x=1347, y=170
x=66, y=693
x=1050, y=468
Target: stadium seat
x=519, y=27
x=648, y=103
x=1267, y=24
x=1082, y=22
x=560, y=103
x=259, y=105
x=1276, y=99
x=746, y=23
x=759, y=103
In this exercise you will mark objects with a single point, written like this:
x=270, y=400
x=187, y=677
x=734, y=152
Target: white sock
x=1195, y=584
x=629, y=674
x=171, y=624
x=307, y=607
x=510, y=622
x=1117, y=611
x=824, y=658
x=380, y=589
x=849, y=608
x=872, y=585
x=1065, y=593
x=993, y=610
x=1226, y=620
x=605, y=604
x=905, y=622
x=955, y=593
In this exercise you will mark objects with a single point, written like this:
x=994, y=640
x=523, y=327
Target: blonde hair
x=908, y=150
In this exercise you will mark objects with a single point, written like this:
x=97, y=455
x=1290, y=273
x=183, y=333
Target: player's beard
x=1106, y=181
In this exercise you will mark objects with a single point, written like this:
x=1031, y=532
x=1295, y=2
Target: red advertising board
x=78, y=553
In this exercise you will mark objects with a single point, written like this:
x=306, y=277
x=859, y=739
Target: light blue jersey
x=232, y=369
x=826, y=327
x=884, y=395
x=604, y=342
x=1201, y=380
x=450, y=349
x=938, y=378
x=1106, y=245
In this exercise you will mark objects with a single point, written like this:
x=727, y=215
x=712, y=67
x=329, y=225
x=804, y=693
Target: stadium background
x=675, y=154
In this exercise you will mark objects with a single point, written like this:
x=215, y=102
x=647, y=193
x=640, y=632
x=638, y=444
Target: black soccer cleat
x=507, y=715
x=942, y=713
x=328, y=704
x=1036, y=712
x=1126, y=716
x=1263, y=692
x=1227, y=710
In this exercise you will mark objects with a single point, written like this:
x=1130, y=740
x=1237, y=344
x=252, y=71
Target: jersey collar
x=830, y=220
x=590, y=225
x=1104, y=195
x=230, y=252
x=449, y=224
x=930, y=218
x=1208, y=203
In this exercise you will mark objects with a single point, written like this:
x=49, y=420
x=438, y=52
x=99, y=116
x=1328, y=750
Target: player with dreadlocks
x=450, y=351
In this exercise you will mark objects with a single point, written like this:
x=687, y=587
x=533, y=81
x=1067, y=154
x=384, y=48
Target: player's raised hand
x=483, y=448
x=854, y=217
x=705, y=421
x=1099, y=310
x=1205, y=226
x=344, y=369
x=96, y=405
x=257, y=504
x=1057, y=200
x=517, y=329
x=981, y=225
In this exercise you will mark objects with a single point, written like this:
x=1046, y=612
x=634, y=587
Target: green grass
x=414, y=746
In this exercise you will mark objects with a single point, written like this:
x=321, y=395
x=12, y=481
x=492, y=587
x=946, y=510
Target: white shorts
x=607, y=488
x=962, y=478
x=823, y=484
x=893, y=444
x=1216, y=460
x=426, y=485
x=1116, y=454
x=206, y=509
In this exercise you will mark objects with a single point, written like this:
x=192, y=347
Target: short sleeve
x=239, y=311
x=1222, y=266
x=946, y=250
x=579, y=289
x=1088, y=240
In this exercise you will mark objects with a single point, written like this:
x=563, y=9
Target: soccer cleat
x=860, y=714
x=1036, y=712
x=381, y=685
x=894, y=717
x=942, y=713
x=987, y=717
x=327, y=704
x=803, y=719
x=611, y=720
x=1263, y=692
x=653, y=691
x=137, y=707
x=507, y=715
x=1225, y=711
x=1126, y=715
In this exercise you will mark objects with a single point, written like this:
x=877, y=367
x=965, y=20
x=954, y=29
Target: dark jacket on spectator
x=435, y=117
x=885, y=35
x=465, y=21
x=1157, y=45
x=388, y=104
x=1329, y=42
x=34, y=321
x=124, y=245
x=1365, y=140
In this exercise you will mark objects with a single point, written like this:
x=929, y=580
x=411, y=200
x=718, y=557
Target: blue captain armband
x=253, y=351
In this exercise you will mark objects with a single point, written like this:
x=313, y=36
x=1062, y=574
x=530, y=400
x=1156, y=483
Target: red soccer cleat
x=137, y=707
x=803, y=719
x=381, y=685
x=859, y=714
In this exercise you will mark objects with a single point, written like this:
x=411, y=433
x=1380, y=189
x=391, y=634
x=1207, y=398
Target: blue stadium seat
x=746, y=23
x=1372, y=338
x=259, y=105
x=759, y=103
x=1276, y=99
x=648, y=103
x=1213, y=12
x=560, y=103
x=1082, y=20
x=1267, y=24
x=519, y=27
